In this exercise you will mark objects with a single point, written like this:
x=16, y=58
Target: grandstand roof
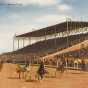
x=61, y=27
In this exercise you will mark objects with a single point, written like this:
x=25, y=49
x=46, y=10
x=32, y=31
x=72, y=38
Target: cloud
x=64, y=8
x=8, y=31
x=32, y=2
x=50, y=19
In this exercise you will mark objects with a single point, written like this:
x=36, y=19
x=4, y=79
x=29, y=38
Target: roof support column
x=13, y=44
x=55, y=37
x=30, y=41
x=59, y=35
x=23, y=42
x=67, y=33
x=18, y=43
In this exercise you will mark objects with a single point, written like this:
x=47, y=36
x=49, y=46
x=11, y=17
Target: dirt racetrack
x=70, y=79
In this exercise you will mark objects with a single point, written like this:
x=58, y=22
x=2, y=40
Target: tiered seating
x=52, y=45
x=79, y=53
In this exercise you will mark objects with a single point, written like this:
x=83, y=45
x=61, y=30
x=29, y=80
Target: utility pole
x=67, y=29
x=55, y=37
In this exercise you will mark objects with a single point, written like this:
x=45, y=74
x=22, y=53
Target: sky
x=21, y=16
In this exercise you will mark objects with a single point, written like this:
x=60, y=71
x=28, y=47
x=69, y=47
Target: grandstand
x=50, y=46
x=49, y=40
x=63, y=29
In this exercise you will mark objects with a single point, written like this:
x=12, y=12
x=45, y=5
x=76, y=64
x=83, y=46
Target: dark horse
x=41, y=70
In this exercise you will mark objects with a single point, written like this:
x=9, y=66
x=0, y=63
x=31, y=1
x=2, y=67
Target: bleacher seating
x=52, y=45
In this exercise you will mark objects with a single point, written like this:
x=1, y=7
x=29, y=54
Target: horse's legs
x=19, y=74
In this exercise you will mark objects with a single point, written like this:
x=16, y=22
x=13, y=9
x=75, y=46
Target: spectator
x=1, y=65
x=83, y=65
x=41, y=70
x=62, y=64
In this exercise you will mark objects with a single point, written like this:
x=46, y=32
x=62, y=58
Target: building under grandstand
x=46, y=43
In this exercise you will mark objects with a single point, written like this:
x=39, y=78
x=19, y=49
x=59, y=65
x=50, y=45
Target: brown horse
x=20, y=70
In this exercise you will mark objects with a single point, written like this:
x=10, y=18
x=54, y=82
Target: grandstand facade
x=63, y=29
x=49, y=42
